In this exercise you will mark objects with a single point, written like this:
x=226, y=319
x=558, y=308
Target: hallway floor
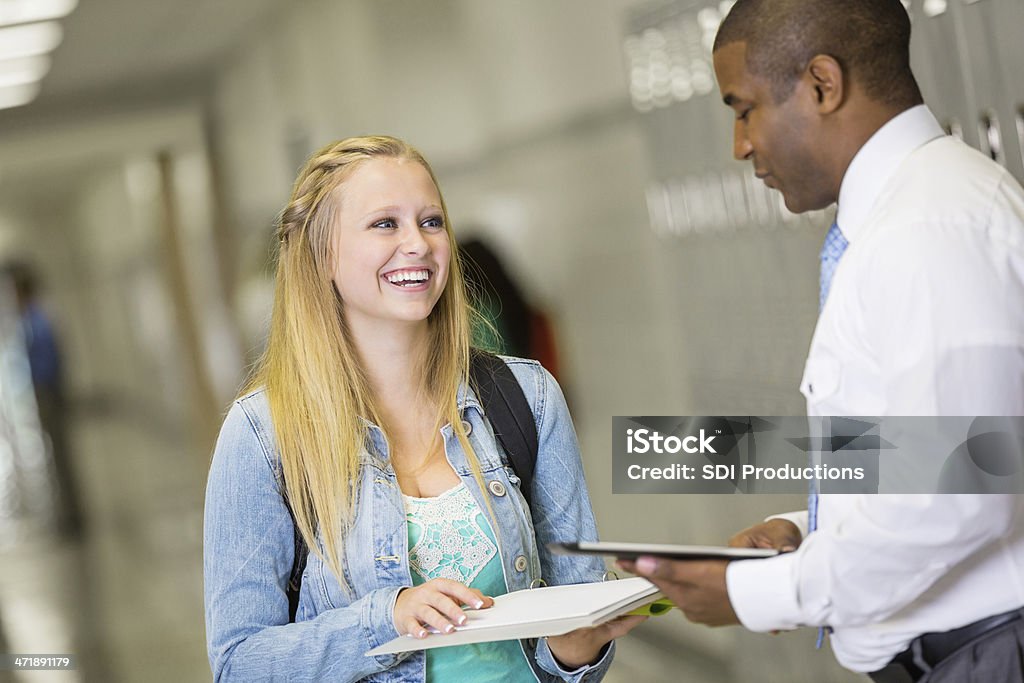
x=125, y=596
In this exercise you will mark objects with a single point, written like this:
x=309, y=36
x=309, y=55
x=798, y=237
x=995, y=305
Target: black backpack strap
x=509, y=413
x=298, y=567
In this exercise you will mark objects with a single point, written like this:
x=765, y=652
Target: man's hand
x=780, y=534
x=697, y=587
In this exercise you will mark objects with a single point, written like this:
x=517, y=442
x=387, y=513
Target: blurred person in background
x=516, y=328
x=922, y=313
x=498, y=299
x=360, y=439
x=46, y=367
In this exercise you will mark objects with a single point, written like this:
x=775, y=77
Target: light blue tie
x=831, y=252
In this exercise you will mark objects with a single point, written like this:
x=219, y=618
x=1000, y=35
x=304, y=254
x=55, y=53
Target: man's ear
x=825, y=76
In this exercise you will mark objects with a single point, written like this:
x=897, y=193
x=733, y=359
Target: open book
x=537, y=612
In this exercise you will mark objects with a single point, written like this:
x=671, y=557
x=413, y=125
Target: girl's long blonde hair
x=317, y=390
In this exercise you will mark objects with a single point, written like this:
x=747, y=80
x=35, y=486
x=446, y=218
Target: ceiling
x=117, y=50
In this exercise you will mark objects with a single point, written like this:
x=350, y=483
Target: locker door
x=1008, y=37
x=940, y=66
x=982, y=28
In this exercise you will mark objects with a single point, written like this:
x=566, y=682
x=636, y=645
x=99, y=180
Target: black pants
x=998, y=657
x=990, y=650
x=53, y=418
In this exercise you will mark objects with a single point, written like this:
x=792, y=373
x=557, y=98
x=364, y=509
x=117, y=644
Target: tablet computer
x=631, y=551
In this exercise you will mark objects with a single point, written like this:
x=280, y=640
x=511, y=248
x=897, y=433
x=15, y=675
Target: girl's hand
x=437, y=603
x=582, y=646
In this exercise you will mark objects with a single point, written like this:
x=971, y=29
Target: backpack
x=505, y=407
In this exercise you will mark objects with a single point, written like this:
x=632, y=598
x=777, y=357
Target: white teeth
x=416, y=276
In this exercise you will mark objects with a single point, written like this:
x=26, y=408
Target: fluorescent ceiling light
x=23, y=70
x=18, y=95
x=29, y=40
x=26, y=11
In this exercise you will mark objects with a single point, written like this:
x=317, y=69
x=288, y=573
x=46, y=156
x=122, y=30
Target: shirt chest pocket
x=822, y=380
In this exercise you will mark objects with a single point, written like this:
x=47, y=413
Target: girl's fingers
x=414, y=628
x=487, y=600
x=438, y=604
x=460, y=592
x=445, y=606
x=428, y=615
x=623, y=625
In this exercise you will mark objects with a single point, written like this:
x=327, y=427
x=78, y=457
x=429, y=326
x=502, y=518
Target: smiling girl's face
x=391, y=246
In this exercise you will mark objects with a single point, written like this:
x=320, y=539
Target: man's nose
x=741, y=147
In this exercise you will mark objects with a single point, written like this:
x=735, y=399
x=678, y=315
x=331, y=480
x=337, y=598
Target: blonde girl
x=360, y=435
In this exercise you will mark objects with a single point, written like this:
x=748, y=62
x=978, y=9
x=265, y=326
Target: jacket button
x=466, y=427
x=497, y=488
x=520, y=563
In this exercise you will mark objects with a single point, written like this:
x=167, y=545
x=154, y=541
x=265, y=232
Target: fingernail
x=421, y=634
x=449, y=628
x=646, y=565
x=462, y=620
x=478, y=604
x=788, y=548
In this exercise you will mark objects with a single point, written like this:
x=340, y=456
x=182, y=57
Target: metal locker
x=938, y=62
x=982, y=28
x=1008, y=38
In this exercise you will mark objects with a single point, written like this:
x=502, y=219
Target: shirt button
x=497, y=488
x=389, y=469
x=466, y=427
x=520, y=564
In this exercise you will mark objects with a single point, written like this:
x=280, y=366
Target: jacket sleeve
x=248, y=552
x=561, y=510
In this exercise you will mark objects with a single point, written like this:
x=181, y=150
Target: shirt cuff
x=763, y=593
x=799, y=518
x=546, y=661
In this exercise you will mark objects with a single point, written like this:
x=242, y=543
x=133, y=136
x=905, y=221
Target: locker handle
x=1020, y=131
x=991, y=137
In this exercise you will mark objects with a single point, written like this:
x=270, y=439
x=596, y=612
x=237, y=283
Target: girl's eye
x=744, y=115
x=435, y=222
x=386, y=224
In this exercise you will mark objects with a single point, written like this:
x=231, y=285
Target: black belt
x=928, y=650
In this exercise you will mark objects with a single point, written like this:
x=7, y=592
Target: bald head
x=870, y=39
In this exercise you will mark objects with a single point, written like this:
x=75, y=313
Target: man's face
x=781, y=139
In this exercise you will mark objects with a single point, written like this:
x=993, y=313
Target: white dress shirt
x=925, y=316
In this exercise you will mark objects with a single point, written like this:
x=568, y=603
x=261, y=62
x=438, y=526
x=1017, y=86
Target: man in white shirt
x=922, y=314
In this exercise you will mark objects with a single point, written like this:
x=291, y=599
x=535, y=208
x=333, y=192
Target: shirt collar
x=877, y=160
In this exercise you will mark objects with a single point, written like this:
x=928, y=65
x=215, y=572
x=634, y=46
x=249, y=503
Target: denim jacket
x=249, y=546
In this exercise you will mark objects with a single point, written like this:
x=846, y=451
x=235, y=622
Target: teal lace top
x=450, y=537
